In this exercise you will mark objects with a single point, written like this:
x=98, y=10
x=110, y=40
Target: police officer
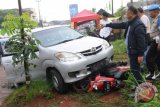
x=153, y=55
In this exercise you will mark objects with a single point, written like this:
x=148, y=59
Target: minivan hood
x=78, y=45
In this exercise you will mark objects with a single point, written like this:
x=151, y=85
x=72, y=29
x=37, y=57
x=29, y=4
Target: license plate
x=97, y=66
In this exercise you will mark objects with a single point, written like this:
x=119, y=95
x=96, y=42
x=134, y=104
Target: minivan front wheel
x=57, y=81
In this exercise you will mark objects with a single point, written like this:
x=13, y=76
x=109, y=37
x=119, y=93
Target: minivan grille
x=92, y=51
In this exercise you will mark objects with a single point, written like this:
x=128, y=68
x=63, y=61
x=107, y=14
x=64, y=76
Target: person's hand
x=102, y=26
x=140, y=59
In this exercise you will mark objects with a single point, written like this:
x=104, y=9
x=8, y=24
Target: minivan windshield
x=58, y=35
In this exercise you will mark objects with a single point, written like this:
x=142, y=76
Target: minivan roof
x=44, y=28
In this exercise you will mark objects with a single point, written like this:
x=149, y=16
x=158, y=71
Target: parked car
x=64, y=56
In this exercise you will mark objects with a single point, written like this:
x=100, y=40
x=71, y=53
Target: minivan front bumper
x=77, y=70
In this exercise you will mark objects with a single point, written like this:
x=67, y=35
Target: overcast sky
x=59, y=9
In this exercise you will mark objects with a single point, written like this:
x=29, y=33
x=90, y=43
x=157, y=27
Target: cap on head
x=153, y=7
x=105, y=14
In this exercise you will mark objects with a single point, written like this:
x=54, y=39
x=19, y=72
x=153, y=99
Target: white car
x=65, y=56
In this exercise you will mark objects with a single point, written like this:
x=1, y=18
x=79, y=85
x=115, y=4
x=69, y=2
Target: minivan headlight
x=67, y=56
x=105, y=44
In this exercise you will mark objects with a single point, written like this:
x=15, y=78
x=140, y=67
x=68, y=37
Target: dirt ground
x=58, y=101
x=66, y=101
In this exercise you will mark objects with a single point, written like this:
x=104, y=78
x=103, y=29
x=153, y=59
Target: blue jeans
x=135, y=67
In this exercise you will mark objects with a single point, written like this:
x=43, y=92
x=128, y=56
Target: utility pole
x=40, y=20
x=20, y=7
x=142, y=3
x=131, y=2
x=121, y=3
x=112, y=8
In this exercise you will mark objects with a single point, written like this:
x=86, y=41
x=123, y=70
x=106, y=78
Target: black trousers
x=153, y=58
x=135, y=67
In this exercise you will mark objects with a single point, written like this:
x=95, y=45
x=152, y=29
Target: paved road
x=4, y=91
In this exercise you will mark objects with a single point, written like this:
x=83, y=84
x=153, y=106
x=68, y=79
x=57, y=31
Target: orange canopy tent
x=85, y=16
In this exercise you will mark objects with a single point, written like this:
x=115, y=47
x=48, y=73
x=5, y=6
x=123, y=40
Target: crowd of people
x=142, y=39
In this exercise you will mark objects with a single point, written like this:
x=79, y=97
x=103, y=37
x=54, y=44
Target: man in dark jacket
x=135, y=34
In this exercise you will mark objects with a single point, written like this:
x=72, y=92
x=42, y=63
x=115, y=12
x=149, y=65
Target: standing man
x=153, y=54
x=105, y=31
x=146, y=22
x=135, y=40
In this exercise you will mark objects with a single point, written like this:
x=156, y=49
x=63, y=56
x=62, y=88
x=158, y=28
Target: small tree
x=22, y=45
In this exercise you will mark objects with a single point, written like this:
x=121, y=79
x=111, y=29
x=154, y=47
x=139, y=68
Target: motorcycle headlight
x=66, y=56
x=105, y=44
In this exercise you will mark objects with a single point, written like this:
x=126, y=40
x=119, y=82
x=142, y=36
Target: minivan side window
x=6, y=49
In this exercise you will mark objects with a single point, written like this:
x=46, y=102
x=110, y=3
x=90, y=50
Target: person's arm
x=158, y=48
x=121, y=25
x=140, y=34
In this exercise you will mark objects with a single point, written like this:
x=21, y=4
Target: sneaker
x=157, y=75
x=151, y=76
x=148, y=75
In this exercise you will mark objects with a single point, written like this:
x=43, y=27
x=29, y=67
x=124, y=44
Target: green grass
x=119, y=50
x=25, y=94
x=119, y=46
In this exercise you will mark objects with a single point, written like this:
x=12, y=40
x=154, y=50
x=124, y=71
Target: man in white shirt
x=146, y=22
x=144, y=19
x=105, y=31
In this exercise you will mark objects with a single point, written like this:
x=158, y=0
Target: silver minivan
x=65, y=56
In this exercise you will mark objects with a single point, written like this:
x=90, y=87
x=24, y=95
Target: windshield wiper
x=80, y=37
x=65, y=41
x=69, y=40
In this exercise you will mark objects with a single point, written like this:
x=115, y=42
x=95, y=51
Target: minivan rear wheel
x=57, y=81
